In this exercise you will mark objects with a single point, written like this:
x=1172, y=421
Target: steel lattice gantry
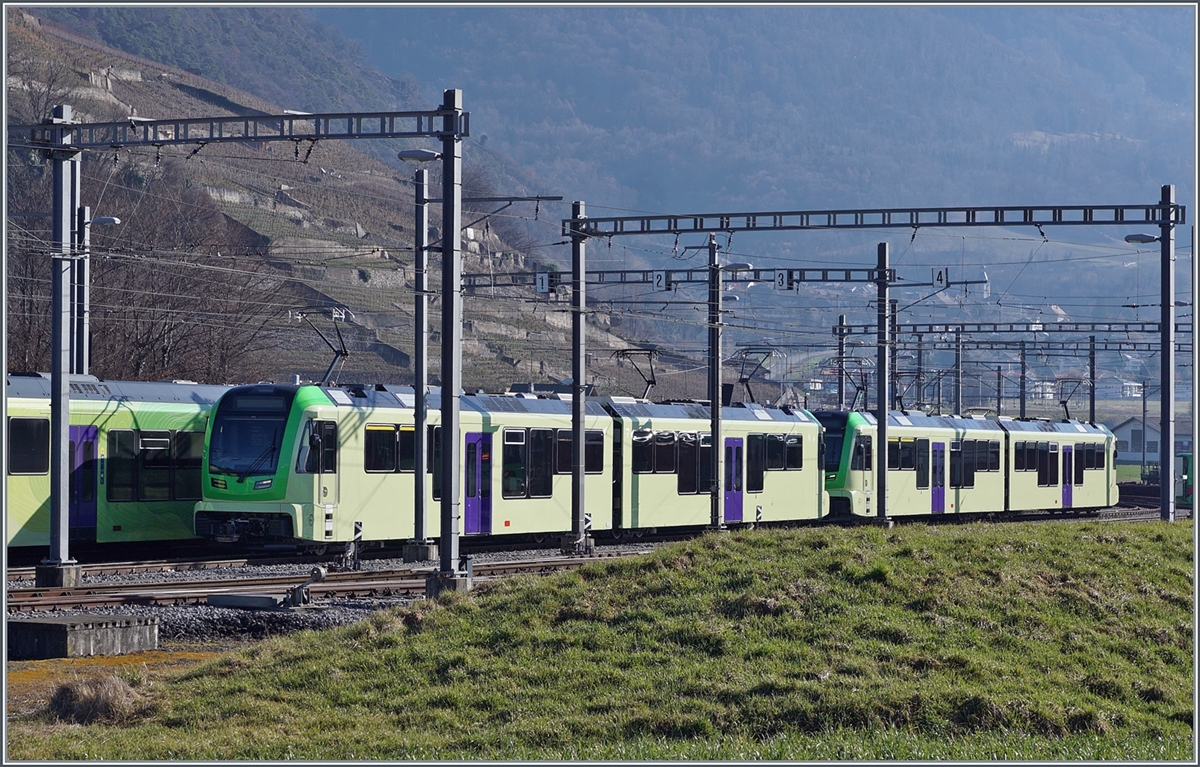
x=1164, y=214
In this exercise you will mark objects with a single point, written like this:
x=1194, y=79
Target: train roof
x=742, y=411
x=86, y=387
x=388, y=395
x=1055, y=427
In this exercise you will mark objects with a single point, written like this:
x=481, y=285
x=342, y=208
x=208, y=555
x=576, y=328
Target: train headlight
x=218, y=483
x=262, y=484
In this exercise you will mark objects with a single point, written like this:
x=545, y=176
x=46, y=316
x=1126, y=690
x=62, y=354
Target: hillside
x=311, y=226
x=719, y=109
x=1016, y=642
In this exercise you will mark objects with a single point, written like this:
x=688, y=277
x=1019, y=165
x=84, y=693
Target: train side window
x=593, y=451
x=122, y=465
x=87, y=472
x=664, y=452
x=329, y=446
x=562, y=464
x=993, y=462
x=970, y=455
x=776, y=452
x=29, y=445
x=756, y=462
x=541, y=463
x=1018, y=456
x=893, y=454
x=862, y=459
x=908, y=454
x=406, y=449
x=1080, y=462
x=922, y=463
x=380, y=448
x=704, y=471
x=433, y=464
x=1089, y=455
x=154, y=466
x=643, y=451
x=1101, y=452
x=956, y=463
x=188, y=449
x=795, y=452
x=689, y=457
x=1053, y=462
x=1043, y=463
x=513, y=479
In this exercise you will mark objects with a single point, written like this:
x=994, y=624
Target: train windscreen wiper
x=259, y=461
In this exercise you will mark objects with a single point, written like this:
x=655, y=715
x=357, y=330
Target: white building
x=1131, y=439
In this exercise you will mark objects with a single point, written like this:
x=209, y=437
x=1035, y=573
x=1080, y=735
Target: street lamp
x=70, y=295
x=1166, y=438
x=1141, y=239
x=421, y=549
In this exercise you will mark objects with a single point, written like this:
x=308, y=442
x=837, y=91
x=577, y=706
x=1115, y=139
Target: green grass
x=965, y=642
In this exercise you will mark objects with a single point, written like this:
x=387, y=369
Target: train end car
x=957, y=465
x=1059, y=465
x=314, y=465
x=134, y=450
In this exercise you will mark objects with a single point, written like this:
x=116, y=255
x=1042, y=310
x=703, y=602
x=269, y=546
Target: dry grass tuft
x=107, y=698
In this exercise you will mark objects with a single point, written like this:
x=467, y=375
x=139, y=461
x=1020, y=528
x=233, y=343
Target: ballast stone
x=79, y=636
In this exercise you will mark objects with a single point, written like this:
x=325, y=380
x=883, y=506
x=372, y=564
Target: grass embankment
x=1020, y=641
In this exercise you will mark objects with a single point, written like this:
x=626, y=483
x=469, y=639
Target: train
x=318, y=465
x=940, y=464
x=135, y=455
x=1185, y=479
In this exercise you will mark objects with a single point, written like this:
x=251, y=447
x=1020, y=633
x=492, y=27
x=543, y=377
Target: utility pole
x=1166, y=440
x=999, y=391
x=1092, y=376
x=883, y=397
x=894, y=359
x=422, y=548
x=714, y=381
x=63, y=141
x=59, y=569
x=1023, y=375
x=958, y=373
x=448, y=576
x=580, y=542
x=841, y=362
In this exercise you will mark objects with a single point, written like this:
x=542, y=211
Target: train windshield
x=834, y=423
x=247, y=431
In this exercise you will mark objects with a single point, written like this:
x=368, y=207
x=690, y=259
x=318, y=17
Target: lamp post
x=421, y=549
x=1166, y=438
x=715, y=396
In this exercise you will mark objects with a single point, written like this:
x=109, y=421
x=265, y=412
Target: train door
x=477, y=484
x=938, y=480
x=1068, y=476
x=733, y=479
x=82, y=482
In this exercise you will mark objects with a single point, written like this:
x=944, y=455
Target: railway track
x=399, y=582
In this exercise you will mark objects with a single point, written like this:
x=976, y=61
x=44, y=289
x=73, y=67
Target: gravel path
x=204, y=624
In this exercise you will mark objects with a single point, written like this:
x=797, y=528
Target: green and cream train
x=135, y=450
x=304, y=464
x=956, y=465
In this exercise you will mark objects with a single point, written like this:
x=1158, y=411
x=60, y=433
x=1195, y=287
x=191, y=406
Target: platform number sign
x=542, y=282
x=781, y=279
x=661, y=282
x=941, y=277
